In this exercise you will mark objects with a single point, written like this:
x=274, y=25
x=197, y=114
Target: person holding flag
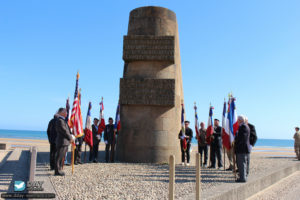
x=75, y=122
x=185, y=135
x=109, y=139
x=63, y=140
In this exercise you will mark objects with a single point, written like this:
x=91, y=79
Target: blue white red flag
x=101, y=125
x=88, y=137
x=196, y=123
x=184, y=142
x=117, y=125
x=225, y=134
x=210, y=126
x=231, y=122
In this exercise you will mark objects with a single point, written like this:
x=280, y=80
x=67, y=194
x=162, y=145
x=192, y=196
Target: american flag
x=196, y=122
x=88, y=137
x=76, y=118
x=101, y=125
x=210, y=128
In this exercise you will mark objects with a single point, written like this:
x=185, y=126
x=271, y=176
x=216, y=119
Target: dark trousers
x=59, y=156
x=77, y=153
x=187, y=152
x=216, y=150
x=94, y=151
x=202, y=149
x=110, y=155
x=241, y=161
x=52, y=155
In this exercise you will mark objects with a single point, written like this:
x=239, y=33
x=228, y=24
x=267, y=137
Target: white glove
x=73, y=137
x=105, y=141
x=98, y=137
x=182, y=137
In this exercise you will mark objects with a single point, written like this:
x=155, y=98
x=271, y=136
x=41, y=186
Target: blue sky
x=251, y=48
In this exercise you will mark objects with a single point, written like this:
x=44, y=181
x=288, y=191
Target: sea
x=42, y=135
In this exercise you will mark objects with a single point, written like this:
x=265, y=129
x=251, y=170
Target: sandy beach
x=146, y=181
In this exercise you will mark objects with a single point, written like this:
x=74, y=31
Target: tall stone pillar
x=151, y=88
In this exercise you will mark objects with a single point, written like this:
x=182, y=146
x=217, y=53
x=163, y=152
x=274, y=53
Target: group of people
x=60, y=137
x=245, y=139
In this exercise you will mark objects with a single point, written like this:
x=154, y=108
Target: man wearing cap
x=216, y=145
x=297, y=142
x=110, y=140
x=202, y=143
x=96, y=141
x=188, y=135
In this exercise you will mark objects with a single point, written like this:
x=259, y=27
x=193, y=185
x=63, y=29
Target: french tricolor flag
x=210, y=128
x=232, y=125
x=117, y=125
x=225, y=135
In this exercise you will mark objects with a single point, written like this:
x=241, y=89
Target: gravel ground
x=150, y=181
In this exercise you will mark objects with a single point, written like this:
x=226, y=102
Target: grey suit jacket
x=63, y=133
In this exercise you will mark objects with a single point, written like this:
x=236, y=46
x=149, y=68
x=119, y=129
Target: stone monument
x=151, y=88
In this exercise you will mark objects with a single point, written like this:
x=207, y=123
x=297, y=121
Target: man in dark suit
x=188, y=135
x=110, y=140
x=252, y=140
x=242, y=148
x=63, y=140
x=51, y=132
x=216, y=146
x=96, y=141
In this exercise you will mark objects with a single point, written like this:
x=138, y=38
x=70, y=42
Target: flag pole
x=209, y=143
x=232, y=147
x=73, y=149
x=222, y=134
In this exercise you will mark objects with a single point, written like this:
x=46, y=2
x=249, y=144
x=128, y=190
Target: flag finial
x=77, y=76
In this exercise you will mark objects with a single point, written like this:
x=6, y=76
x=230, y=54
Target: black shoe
x=59, y=173
x=51, y=168
x=240, y=181
x=95, y=161
x=75, y=163
x=229, y=169
x=68, y=164
x=212, y=167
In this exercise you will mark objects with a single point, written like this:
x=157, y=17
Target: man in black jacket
x=242, y=148
x=252, y=141
x=216, y=146
x=188, y=136
x=51, y=132
x=96, y=141
x=63, y=140
x=110, y=140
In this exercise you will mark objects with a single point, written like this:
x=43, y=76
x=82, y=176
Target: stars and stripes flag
x=196, y=123
x=75, y=122
x=101, y=125
x=232, y=125
x=117, y=125
x=210, y=128
x=225, y=133
x=184, y=142
x=88, y=137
